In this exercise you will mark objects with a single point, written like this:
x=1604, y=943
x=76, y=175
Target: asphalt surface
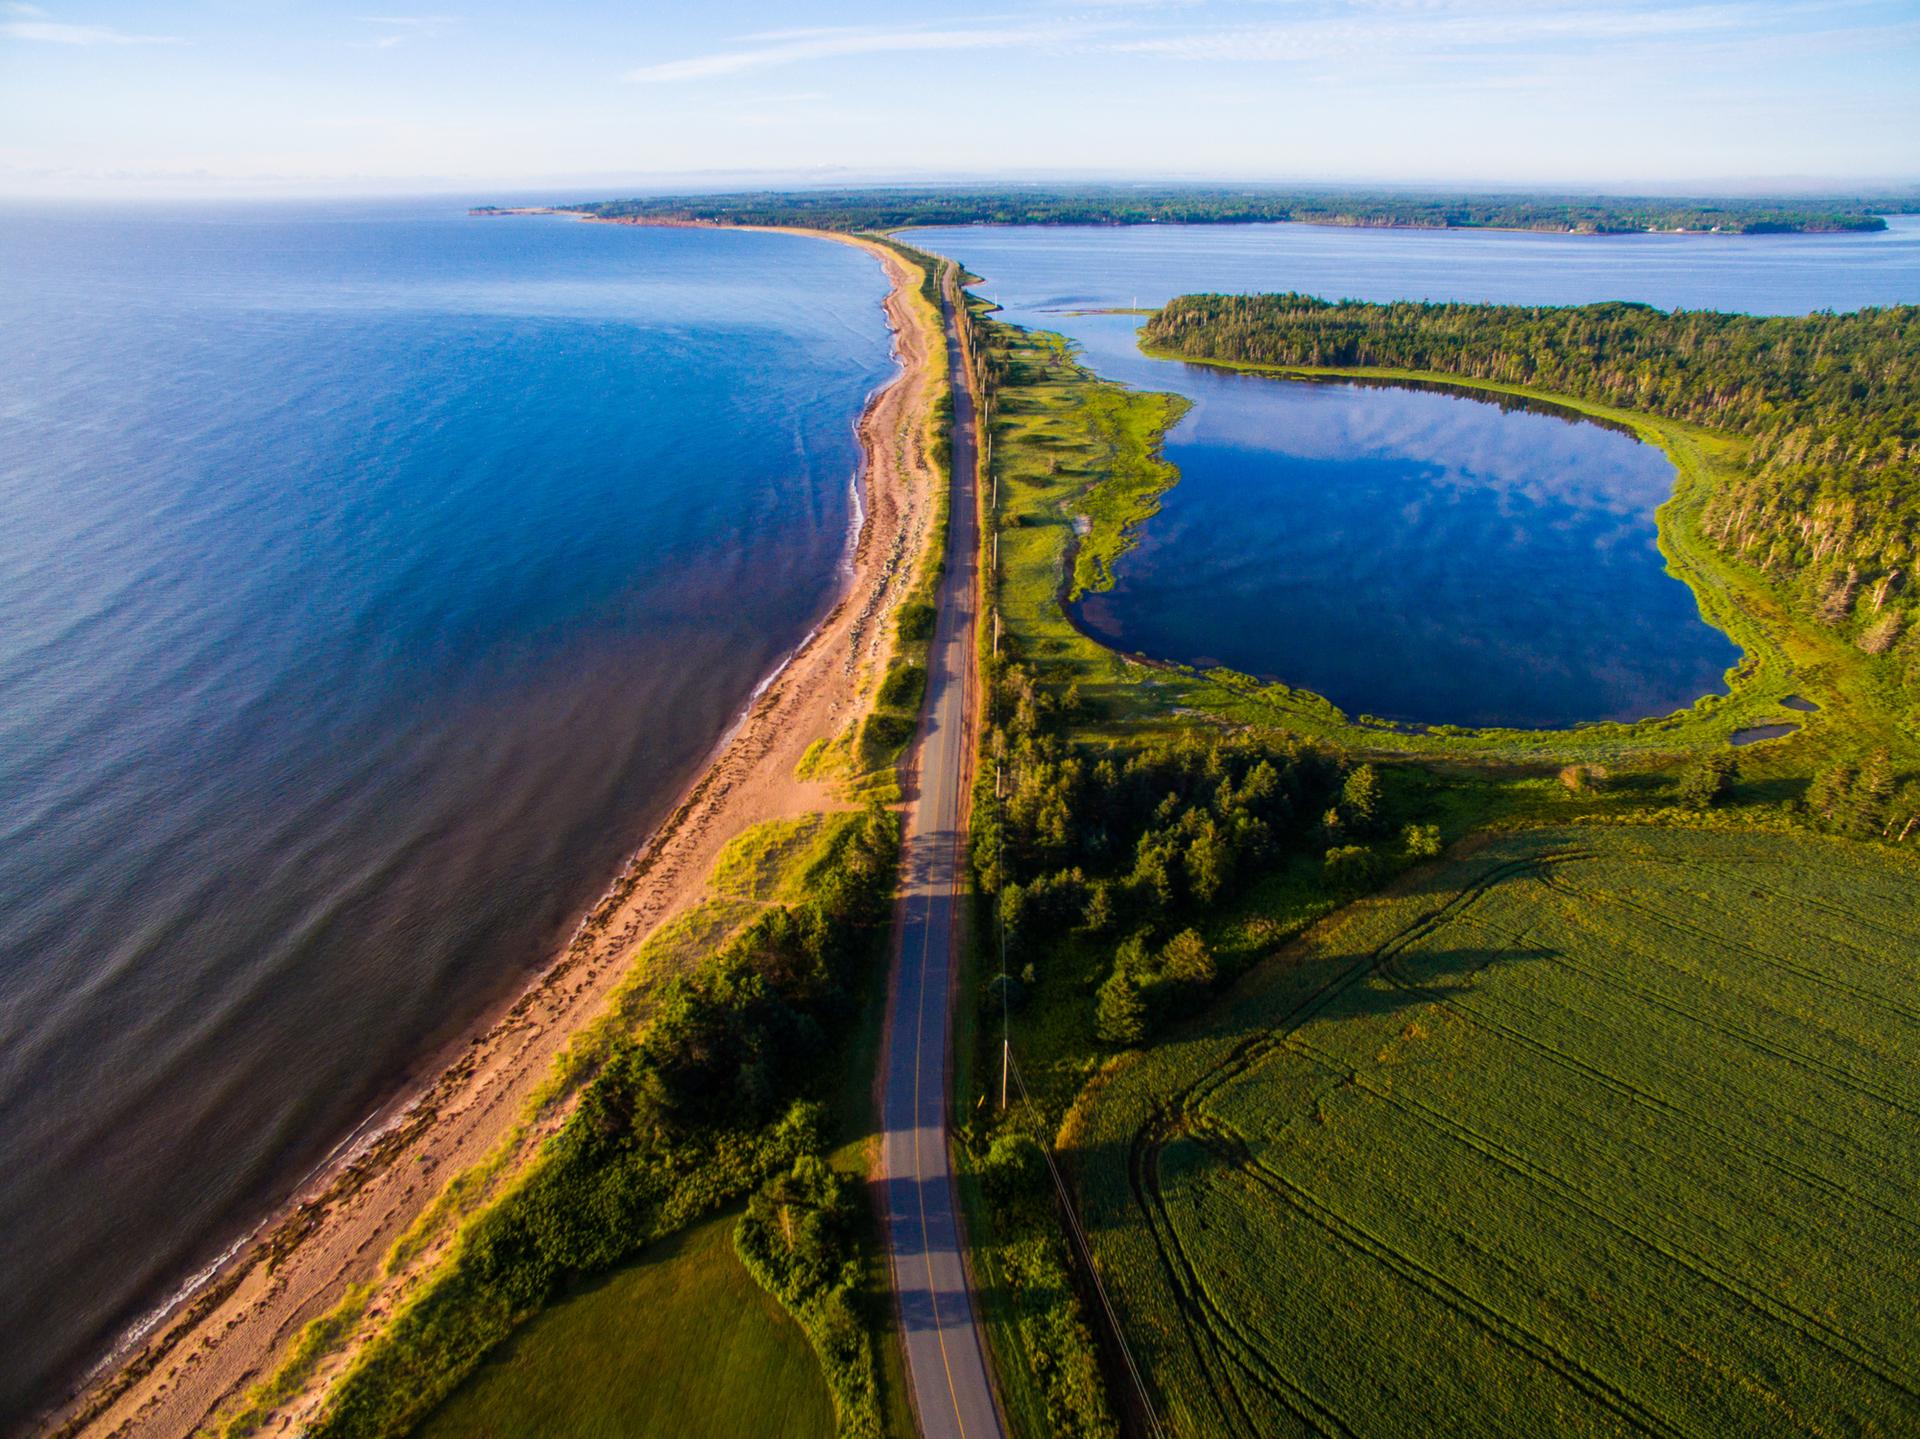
x=952, y=1395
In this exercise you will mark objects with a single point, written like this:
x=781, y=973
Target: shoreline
x=176, y=1366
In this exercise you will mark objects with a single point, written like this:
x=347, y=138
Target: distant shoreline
x=857, y=215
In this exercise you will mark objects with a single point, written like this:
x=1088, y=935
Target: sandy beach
x=228, y=1331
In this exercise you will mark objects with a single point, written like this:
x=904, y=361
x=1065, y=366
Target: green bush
x=1351, y=866
x=1708, y=780
x=798, y=1239
x=915, y=621
x=1422, y=841
x=883, y=734
x=903, y=687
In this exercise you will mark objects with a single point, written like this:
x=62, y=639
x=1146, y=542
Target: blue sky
x=244, y=96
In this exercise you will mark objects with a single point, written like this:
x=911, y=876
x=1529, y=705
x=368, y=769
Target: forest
x=901, y=207
x=1827, y=503
x=1129, y=842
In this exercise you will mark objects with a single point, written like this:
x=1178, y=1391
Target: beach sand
x=230, y=1331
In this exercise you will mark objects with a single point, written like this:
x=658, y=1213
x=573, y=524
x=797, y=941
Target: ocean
x=372, y=579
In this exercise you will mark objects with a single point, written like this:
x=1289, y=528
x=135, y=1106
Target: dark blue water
x=1413, y=555
x=370, y=580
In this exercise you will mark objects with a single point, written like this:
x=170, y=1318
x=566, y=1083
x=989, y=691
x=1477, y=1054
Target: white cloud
x=54, y=32
x=1317, y=29
x=398, y=29
x=18, y=7
x=1443, y=28
x=793, y=47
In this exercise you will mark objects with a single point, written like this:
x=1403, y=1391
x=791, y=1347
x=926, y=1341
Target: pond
x=1413, y=554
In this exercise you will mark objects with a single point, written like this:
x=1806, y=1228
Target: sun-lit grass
x=1588, y=1131
x=683, y=1345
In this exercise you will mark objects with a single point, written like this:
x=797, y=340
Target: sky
x=184, y=97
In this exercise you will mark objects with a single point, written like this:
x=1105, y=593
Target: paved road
x=946, y=1371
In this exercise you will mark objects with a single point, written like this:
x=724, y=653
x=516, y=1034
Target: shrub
x=1186, y=961
x=797, y=1239
x=885, y=733
x=1708, y=781
x=1351, y=866
x=915, y=621
x=903, y=687
x=1013, y=1170
x=1422, y=841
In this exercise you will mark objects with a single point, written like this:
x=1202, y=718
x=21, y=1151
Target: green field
x=1590, y=1130
x=683, y=1345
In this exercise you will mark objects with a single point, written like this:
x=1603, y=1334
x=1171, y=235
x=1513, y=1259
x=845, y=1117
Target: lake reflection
x=1415, y=555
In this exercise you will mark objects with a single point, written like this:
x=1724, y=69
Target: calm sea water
x=1414, y=555
x=370, y=580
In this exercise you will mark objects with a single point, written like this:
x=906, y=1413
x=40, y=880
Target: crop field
x=1589, y=1130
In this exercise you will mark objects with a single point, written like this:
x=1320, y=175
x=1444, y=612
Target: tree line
x=890, y=208
x=1128, y=842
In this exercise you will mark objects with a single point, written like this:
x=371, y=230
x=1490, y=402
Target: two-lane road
x=947, y=1371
